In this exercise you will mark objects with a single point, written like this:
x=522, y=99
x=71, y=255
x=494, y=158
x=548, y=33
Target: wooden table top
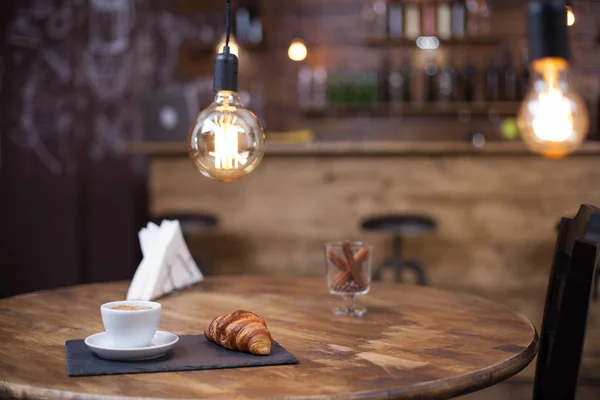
x=414, y=343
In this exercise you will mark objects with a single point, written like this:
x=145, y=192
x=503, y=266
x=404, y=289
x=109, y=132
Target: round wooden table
x=415, y=342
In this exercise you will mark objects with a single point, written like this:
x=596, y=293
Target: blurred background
x=399, y=107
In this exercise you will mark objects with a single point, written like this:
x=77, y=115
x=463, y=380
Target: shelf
x=366, y=148
x=472, y=41
x=415, y=109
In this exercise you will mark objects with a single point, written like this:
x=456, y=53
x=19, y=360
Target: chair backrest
x=567, y=302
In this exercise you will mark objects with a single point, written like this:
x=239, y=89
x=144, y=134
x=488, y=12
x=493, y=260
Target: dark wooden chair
x=566, y=309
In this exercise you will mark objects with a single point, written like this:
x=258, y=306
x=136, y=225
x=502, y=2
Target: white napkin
x=167, y=264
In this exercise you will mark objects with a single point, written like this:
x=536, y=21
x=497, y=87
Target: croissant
x=240, y=331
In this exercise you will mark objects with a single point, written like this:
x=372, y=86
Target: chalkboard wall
x=78, y=79
x=71, y=200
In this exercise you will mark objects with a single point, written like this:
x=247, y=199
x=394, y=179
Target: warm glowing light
x=225, y=131
x=570, y=16
x=428, y=42
x=297, y=50
x=553, y=118
x=226, y=141
x=233, y=46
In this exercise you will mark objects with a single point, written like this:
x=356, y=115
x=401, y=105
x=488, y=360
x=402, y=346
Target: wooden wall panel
x=496, y=215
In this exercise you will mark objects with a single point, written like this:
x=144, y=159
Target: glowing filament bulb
x=226, y=141
x=553, y=118
x=570, y=16
x=553, y=121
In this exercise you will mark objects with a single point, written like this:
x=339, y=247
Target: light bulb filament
x=553, y=119
x=226, y=146
x=570, y=16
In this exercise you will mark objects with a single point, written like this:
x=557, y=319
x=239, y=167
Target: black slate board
x=192, y=352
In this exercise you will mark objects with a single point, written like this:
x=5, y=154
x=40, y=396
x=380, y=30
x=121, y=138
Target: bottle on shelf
x=255, y=36
x=444, y=20
x=524, y=76
x=351, y=84
x=492, y=81
x=400, y=83
x=428, y=11
x=336, y=95
x=509, y=80
x=412, y=25
x=430, y=75
x=447, y=82
x=383, y=80
x=484, y=14
x=395, y=21
x=320, y=87
x=407, y=74
x=305, y=83
x=472, y=7
x=248, y=25
x=370, y=89
x=242, y=24
x=364, y=88
x=395, y=83
x=458, y=20
x=375, y=17
x=468, y=77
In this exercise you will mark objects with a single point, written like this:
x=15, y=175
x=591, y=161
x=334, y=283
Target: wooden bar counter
x=496, y=211
x=496, y=207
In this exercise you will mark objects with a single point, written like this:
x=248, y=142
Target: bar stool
x=193, y=224
x=400, y=226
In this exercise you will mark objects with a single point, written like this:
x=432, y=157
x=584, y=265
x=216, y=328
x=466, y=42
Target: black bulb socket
x=226, y=71
x=547, y=30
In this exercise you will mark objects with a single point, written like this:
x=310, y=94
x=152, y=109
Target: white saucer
x=160, y=345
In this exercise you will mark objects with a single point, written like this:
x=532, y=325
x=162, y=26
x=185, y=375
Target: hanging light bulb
x=233, y=46
x=553, y=119
x=570, y=14
x=297, y=50
x=226, y=141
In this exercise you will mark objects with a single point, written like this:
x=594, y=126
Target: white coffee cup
x=131, y=328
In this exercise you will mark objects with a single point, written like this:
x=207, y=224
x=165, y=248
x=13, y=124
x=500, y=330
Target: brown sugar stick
x=361, y=256
x=337, y=261
x=356, y=276
x=341, y=277
x=344, y=275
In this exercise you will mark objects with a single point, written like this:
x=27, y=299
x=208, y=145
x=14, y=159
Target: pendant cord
x=227, y=26
x=226, y=63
